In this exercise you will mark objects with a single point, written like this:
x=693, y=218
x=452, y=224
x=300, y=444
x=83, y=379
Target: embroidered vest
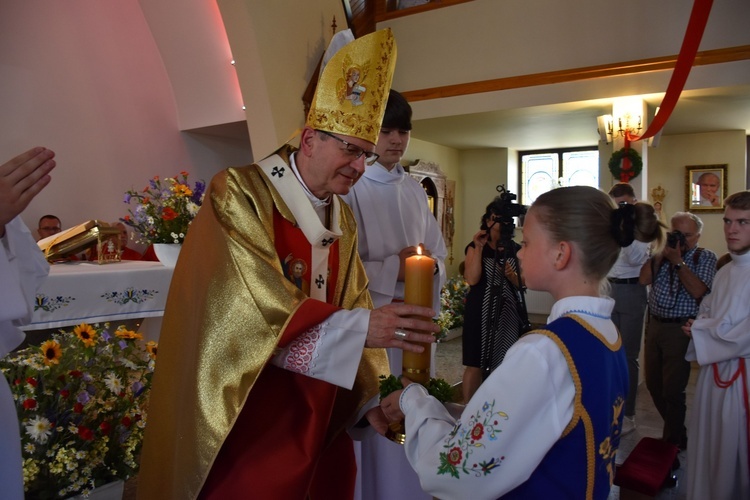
x=582, y=462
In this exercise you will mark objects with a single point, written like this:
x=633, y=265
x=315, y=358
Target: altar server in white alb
x=718, y=433
x=393, y=217
x=22, y=270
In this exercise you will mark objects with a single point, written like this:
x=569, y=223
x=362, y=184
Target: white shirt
x=392, y=213
x=22, y=270
x=717, y=433
x=530, y=395
x=630, y=260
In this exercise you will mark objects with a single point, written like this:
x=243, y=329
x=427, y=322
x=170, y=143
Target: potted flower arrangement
x=452, y=305
x=81, y=399
x=164, y=209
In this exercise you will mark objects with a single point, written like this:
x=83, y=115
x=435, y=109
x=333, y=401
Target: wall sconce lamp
x=625, y=127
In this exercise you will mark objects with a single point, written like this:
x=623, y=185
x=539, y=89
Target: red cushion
x=647, y=466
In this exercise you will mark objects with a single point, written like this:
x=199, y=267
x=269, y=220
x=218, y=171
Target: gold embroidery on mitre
x=353, y=89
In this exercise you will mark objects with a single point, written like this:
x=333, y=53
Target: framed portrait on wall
x=705, y=188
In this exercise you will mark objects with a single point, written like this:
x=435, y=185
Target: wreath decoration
x=625, y=174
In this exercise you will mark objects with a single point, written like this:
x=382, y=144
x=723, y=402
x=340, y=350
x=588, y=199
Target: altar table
x=86, y=292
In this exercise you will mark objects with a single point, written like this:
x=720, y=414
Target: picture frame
x=705, y=188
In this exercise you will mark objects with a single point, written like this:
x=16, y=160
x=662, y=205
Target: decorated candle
x=418, y=289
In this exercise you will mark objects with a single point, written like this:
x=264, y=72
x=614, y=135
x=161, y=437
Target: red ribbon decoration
x=626, y=175
x=685, y=59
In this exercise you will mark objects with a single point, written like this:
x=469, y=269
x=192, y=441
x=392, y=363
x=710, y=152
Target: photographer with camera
x=493, y=318
x=630, y=300
x=680, y=276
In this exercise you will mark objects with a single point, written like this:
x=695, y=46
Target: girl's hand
x=390, y=403
x=391, y=408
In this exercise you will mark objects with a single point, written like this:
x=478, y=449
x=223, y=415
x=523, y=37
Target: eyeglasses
x=45, y=228
x=355, y=151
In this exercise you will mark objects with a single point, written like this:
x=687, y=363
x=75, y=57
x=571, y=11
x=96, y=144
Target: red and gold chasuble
x=277, y=401
x=224, y=422
x=308, y=254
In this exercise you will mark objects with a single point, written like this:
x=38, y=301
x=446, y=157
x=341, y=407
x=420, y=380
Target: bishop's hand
x=398, y=325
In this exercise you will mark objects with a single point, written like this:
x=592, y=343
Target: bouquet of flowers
x=81, y=399
x=164, y=209
x=452, y=304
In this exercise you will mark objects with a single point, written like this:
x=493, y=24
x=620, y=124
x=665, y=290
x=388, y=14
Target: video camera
x=675, y=239
x=502, y=210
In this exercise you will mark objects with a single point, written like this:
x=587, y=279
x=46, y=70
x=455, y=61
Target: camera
x=675, y=239
x=502, y=210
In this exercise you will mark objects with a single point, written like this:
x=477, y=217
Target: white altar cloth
x=86, y=292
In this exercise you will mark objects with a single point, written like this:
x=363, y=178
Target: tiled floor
x=648, y=422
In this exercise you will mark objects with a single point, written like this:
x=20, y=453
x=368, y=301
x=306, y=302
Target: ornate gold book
x=65, y=244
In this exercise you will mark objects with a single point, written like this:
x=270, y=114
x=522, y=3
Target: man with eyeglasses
x=393, y=218
x=680, y=277
x=258, y=382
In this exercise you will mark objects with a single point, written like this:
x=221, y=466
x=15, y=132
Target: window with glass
x=542, y=171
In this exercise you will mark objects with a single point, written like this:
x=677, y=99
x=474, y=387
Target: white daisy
x=29, y=448
x=39, y=428
x=113, y=383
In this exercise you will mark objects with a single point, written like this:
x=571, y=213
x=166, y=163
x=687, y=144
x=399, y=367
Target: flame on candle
x=419, y=249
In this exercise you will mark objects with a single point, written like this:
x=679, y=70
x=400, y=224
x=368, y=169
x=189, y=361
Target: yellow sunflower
x=151, y=347
x=127, y=334
x=86, y=333
x=51, y=352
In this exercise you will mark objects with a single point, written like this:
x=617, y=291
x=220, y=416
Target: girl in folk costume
x=546, y=423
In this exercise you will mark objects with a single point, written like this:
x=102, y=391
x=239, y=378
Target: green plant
x=81, y=400
x=437, y=387
x=164, y=209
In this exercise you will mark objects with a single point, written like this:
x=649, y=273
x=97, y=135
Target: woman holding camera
x=492, y=321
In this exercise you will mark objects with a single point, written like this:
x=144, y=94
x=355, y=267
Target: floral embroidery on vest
x=301, y=351
x=606, y=450
x=463, y=441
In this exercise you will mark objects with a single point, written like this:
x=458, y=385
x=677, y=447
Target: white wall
x=277, y=45
x=85, y=78
x=448, y=160
x=481, y=172
x=667, y=168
